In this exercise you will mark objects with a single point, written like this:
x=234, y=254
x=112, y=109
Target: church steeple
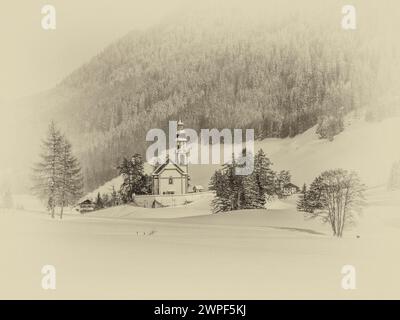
x=181, y=157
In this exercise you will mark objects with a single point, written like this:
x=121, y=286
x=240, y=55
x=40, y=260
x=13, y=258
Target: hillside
x=370, y=148
x=278, y=76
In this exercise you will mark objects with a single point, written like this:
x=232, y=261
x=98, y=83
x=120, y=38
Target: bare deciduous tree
x=335, y=196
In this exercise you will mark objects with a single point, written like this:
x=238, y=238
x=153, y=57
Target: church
x=172, y=176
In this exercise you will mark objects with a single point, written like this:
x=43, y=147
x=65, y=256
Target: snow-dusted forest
x=280, y=74
x=324, y=193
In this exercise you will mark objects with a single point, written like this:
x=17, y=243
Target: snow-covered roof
x=161, y=168
x=87, y=201
x=291, y=185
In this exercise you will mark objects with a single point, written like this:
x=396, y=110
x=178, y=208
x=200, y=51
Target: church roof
x=161, y=167
x=291, y=185
x=87, y=201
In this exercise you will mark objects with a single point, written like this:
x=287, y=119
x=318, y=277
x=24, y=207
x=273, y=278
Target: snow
x=186, y=252
x=370, y=148
x=197, y=208
x=258, y=254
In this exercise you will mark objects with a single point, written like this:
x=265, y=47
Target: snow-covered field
x=246, y=254
x=187, y=252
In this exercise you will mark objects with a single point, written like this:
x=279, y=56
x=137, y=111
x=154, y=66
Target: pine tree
x=99, y=202
x=227, y=188
x=114, y=197
x=282, y=179
x=220, y=185
x=329, y=126
x=57, y=178
x=71, y=182
x=231, y=185
x=302, y=202
x=105, y=198
x=251, y=193
x=313, y=197
x=249, y=197
x=135, y=181
x=47, y=173
x=233, y=191
x=264, y=177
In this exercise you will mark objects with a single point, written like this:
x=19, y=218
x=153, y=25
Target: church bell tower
x=182, y=152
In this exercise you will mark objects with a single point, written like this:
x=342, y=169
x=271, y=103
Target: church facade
x=172, y=177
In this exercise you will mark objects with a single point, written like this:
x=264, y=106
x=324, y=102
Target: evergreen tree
x=106, y=200
x=315, y=195
x=264, y=177
x=234, y=192
x=57, y=177
x=302, y=202
x=234, y=183
x=227, y=186
x=329, y=126
x=71, y=182
x=135, y=181
x=99, y=202
x=249, y=196
x=114, y=197
x=47, y=173
x=219, y=183
x=251, y=187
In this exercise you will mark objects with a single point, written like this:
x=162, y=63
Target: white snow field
x=183, y=252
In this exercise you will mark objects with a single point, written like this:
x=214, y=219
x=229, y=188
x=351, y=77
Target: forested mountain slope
x=278, y=77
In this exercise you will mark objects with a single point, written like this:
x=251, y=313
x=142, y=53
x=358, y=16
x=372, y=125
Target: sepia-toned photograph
x=199, y=150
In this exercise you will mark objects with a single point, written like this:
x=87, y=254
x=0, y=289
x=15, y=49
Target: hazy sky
x=32, y=59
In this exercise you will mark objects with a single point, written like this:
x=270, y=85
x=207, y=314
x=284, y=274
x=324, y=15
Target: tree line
x=235, y=192
x=251, y=191
x=335, y=196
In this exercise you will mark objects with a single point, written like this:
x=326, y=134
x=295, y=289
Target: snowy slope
x=370, y=148
x=116, y=183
